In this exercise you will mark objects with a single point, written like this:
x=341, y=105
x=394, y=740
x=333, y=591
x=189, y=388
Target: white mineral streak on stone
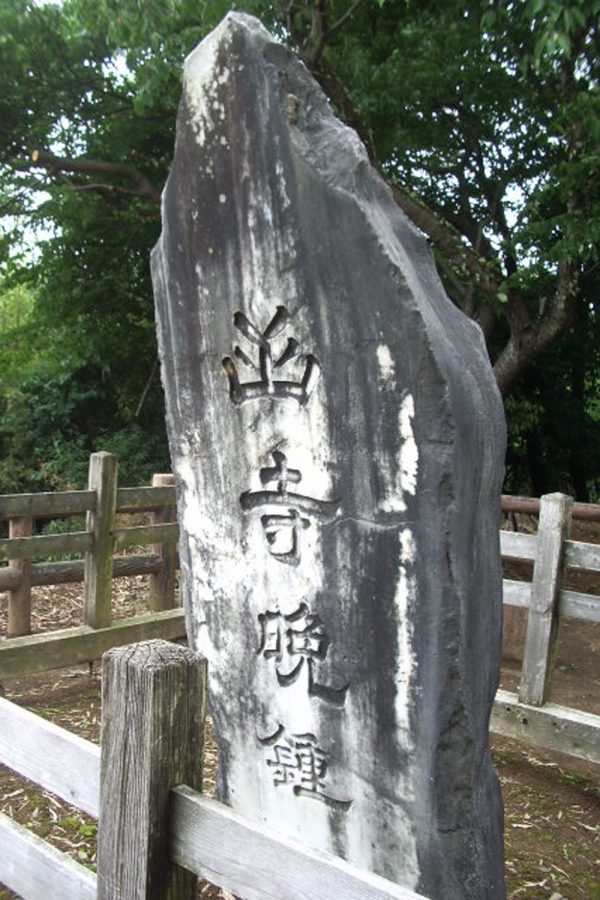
x=387, y=369
x=359, y=823
x=409, y=452
x=404, y=480
x=405, y=597
x=363, y=821
x=199, y=84
x=204, y=531
x=199, y=68
x=282, y=185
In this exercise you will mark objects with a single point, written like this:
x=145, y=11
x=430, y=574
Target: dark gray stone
x=337, y=440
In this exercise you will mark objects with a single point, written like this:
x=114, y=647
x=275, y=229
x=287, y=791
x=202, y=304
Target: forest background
x=484, y=117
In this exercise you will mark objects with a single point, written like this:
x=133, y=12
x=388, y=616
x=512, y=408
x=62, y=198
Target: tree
x=483, y=116
x=485, y=119
x=554, y=415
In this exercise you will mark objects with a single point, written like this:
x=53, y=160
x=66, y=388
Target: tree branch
x=343, y=18
x=107, y=190
x=448, y=241
x=437, y=229
x=146, y=390
x=142, y=186
x=529, y=338
x=319, y=31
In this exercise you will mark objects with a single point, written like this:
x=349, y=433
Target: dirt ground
x=552, y=802
x=576, y=671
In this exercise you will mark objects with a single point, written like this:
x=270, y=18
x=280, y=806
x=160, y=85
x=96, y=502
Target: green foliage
x=51, y=425
x=140, y=454
x=16, y=307
x=472, y=114
x=554, y=418
x=488, y=111
x=490, y=114
x=79, y=825
x=64, y=526
x=73, y=369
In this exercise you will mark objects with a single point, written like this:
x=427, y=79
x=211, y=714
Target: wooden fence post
x=101, y=522
x=19, y=600
x=153, y=705
x=162, y=585
x=542, y=624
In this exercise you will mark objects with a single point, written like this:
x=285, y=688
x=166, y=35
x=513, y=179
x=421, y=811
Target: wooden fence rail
x=525, y=714
x=23, y=653
x=586, y=512
x=156, y=832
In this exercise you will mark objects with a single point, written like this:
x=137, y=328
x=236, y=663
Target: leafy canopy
x=483, y=115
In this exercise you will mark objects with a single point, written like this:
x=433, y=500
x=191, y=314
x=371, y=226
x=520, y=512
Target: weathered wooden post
x=153, y=703
x=162, y=584
x=542, y=622
x=337, y=438
x=19, y=599
x=100, y=521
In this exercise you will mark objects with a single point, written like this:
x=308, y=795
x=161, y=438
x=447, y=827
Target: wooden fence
x=156, y=831
x=23, y=653
x=526, y=715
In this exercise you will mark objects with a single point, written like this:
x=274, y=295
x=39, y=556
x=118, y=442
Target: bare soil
x=552, y=802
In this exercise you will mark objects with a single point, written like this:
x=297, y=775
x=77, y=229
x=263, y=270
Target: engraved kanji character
x=267, y=385
x=294, y=641
x=282, y=531
x=297, y=760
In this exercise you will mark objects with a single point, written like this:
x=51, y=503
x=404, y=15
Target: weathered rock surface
x=337, y=440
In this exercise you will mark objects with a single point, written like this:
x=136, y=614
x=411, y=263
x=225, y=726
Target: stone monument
x=337, y=440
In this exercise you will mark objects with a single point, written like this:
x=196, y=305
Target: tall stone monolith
x=337, y=440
